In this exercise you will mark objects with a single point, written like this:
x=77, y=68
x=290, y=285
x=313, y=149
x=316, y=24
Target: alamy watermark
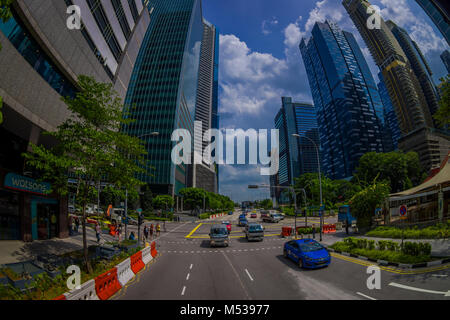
x=374, y=20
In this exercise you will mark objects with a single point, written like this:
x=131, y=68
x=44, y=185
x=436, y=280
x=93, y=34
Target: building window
x=120, y=13
x=134, y=10
x=22, y=40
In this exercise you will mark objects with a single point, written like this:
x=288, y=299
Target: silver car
x=254, y=231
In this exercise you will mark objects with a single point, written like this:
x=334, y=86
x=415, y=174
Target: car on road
x=242, y=222
x=228, y=225
x=254, y=231
x=253, y=215
x=242, y=216
x=307, y=253
x=272, y=217
x=230, y=213
x=218, y=236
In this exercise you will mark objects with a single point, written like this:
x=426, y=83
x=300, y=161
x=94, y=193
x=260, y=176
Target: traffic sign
x=403, y=211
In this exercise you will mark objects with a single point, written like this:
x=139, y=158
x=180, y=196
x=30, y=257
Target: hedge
x=434, y=232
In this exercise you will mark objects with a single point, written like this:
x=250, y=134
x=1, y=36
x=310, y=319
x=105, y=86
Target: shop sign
x=21, y=183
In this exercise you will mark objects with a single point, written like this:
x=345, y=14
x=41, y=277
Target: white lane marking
x=248, y=273
x=362, y=294
x=184, y=289
x=237, y=276
x=190, y=268
x=402, y=286
x=439, y=275
x=187, y=277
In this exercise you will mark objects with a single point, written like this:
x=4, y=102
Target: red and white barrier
x=124, y=271
x=85, y=292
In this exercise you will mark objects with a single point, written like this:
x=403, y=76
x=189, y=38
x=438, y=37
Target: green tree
x=442, y=115
x=267, y=204
x=5, y=15
x=91, y=147
x=364, y=203
x=163, y=202
x=193, y=197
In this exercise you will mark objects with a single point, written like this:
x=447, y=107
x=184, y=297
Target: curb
x=395, y=264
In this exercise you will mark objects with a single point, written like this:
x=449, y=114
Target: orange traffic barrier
x=332, y=228
x=286, y=231
x=325, y=228
x=136, y=262
x=107, y=284
x=112, y=230
x=153, y=249
x=61, y=297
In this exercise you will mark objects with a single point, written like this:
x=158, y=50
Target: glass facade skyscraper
x=445, y=57
x=438, y=11
x=348, y=105
x=391, y=131
x=297, y=156
x=163, y=88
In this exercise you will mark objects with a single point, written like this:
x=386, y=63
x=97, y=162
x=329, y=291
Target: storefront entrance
x=9, y=216
x=44, y=218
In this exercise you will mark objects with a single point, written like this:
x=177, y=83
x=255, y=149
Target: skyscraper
x=163, y=88
x=439, y=12
x=394, y=65
x=445, y=57
x=40, y=61
x=419, y=65
x=297, y=155
x=203, y=175
x=392, y=130
x=349, y=108
x=403, y=86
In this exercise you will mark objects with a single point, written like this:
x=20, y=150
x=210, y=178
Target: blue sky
x=260, y=62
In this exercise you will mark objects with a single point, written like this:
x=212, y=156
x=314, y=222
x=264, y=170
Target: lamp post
x=152, y=134
x=320, y=178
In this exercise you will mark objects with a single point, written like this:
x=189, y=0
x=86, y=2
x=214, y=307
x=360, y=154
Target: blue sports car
x=307, y=253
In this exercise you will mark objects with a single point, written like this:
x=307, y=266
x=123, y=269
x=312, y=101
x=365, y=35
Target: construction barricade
x=136, y=262
x=146, y=255
x=61, y=297
x=107, y=284
x=286, y=231
x=153, y=251
x=85, y=292
x=124, y=272
x=332, y=228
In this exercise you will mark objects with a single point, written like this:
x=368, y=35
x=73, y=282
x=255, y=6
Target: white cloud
x=266, y=24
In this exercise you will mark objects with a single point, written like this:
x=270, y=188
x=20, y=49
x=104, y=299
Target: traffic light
x=140, y=220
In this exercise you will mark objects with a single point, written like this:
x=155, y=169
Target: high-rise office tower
x=439, y=12
x=40, y=62
x=445, y=57
x=413, y=114
x=349, y=108
x=392, y=130
x=163, y=88
x=419, y=65
x=204, y=175
x=297, y=155
x=395, y=67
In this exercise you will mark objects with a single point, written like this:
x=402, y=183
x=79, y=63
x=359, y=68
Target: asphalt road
x=187, y=268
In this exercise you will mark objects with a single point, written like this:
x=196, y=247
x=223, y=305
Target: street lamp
x=152, y=134
x=320, y=177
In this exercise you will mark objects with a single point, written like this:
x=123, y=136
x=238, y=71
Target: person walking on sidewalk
x=119, y=231
x=77, y=224
x=98, y=230
x=145, y=232
x=151, y=231
x=314, y=231
x=158, y=230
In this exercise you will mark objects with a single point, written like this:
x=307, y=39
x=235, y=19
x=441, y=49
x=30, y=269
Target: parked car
x=253, y=215
x=218, y=236
x=307, y=253
x=272, y=217
x=254, y=231
x=228, y=224
x=230, y=213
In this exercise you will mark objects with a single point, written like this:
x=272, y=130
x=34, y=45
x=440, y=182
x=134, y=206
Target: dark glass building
x=163, y=88
x=439, y=12
x=297, y=155
x=348, y=105
x=445, y=57
x=391, y=131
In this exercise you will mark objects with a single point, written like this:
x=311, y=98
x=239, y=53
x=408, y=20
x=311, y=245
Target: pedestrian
x=98, y=230
x=119, y=231
x=346, y=226
x=132, y=236
x=151, y=231
x=314, y=231
x=145, y=233
x=158, y=230
x=77, y=224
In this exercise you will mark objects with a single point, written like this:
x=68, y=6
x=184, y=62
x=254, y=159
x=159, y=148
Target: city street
x=187, y=268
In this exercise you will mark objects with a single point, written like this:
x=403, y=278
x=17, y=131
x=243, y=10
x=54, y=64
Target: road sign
x=403, y=211
x=139, y=210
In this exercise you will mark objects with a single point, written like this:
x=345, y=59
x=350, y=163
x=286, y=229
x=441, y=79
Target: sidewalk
x=16, y=251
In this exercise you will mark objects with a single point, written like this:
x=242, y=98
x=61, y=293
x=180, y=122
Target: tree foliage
x=442, y=115
x=193, y=197
x=91, y=147
x=146, y=199
x=364, y=203
x=401, y=171
x=163, y=202
x=266, y=204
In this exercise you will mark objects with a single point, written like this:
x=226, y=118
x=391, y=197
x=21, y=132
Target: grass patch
x=439, y=231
